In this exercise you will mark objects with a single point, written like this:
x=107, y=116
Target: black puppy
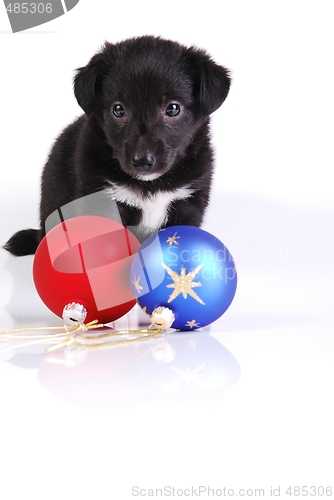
x=143, y=141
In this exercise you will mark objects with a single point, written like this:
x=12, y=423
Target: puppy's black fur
x=143, y=140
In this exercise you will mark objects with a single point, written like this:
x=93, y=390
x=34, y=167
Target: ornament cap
x=74, y=314
x=162, y=317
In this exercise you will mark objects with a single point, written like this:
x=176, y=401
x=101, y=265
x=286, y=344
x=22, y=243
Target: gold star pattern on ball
x=191, y=324
x=136, y=284
x=183, y=283
x=172, y=239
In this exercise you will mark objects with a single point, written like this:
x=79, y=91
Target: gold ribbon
x=75, y=334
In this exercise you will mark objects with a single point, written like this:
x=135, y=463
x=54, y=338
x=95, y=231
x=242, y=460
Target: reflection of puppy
x=143, y=141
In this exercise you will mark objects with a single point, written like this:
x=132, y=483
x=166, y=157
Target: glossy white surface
x=247, y=403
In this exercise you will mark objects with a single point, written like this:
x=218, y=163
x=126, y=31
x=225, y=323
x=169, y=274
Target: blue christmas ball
x=189, y=271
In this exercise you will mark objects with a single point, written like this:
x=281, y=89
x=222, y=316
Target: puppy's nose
x=143, y=162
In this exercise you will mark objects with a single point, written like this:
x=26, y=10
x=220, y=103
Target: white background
x=272, y=206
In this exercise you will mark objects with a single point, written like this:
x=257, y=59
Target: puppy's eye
x=173, y=109
x=119, y=111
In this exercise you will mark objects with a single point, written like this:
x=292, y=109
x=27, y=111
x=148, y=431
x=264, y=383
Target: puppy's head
x=150, y=96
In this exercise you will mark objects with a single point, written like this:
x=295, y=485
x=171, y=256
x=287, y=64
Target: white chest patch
x=154, y=208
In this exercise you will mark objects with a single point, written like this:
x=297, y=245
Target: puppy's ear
x=211, y=81
x=88, y=79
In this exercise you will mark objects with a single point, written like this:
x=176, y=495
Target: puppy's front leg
x=189, y=212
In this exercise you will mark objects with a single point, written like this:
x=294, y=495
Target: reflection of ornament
x=165, y=369
x=182, y=258
x=188, y=376
x=86, y=260
x=160, y=350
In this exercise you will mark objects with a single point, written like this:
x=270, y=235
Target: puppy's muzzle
x=143, y=162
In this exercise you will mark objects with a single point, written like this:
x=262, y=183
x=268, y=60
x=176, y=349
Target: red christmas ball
x=86, y=260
